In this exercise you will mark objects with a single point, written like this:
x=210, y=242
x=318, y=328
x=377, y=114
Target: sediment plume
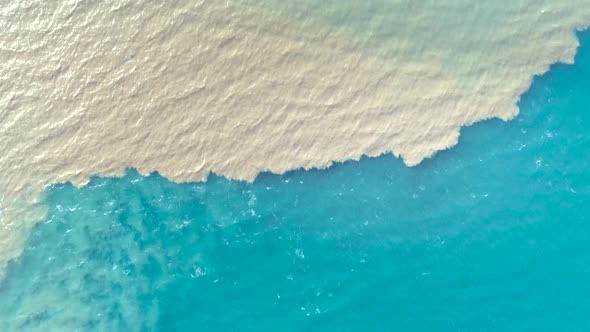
x=236, y=87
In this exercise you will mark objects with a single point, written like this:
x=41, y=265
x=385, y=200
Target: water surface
x=489, y=236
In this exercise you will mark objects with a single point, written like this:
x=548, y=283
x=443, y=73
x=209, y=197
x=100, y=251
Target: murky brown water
x=237, y=87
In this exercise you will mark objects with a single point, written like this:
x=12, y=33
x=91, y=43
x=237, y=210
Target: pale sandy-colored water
x=238, y=87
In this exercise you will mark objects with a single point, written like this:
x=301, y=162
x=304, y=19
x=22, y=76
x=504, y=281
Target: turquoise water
x=489, y=236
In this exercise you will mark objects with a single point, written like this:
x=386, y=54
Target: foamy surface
x=240, y=87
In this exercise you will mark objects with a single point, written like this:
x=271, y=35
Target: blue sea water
x=492, y=235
